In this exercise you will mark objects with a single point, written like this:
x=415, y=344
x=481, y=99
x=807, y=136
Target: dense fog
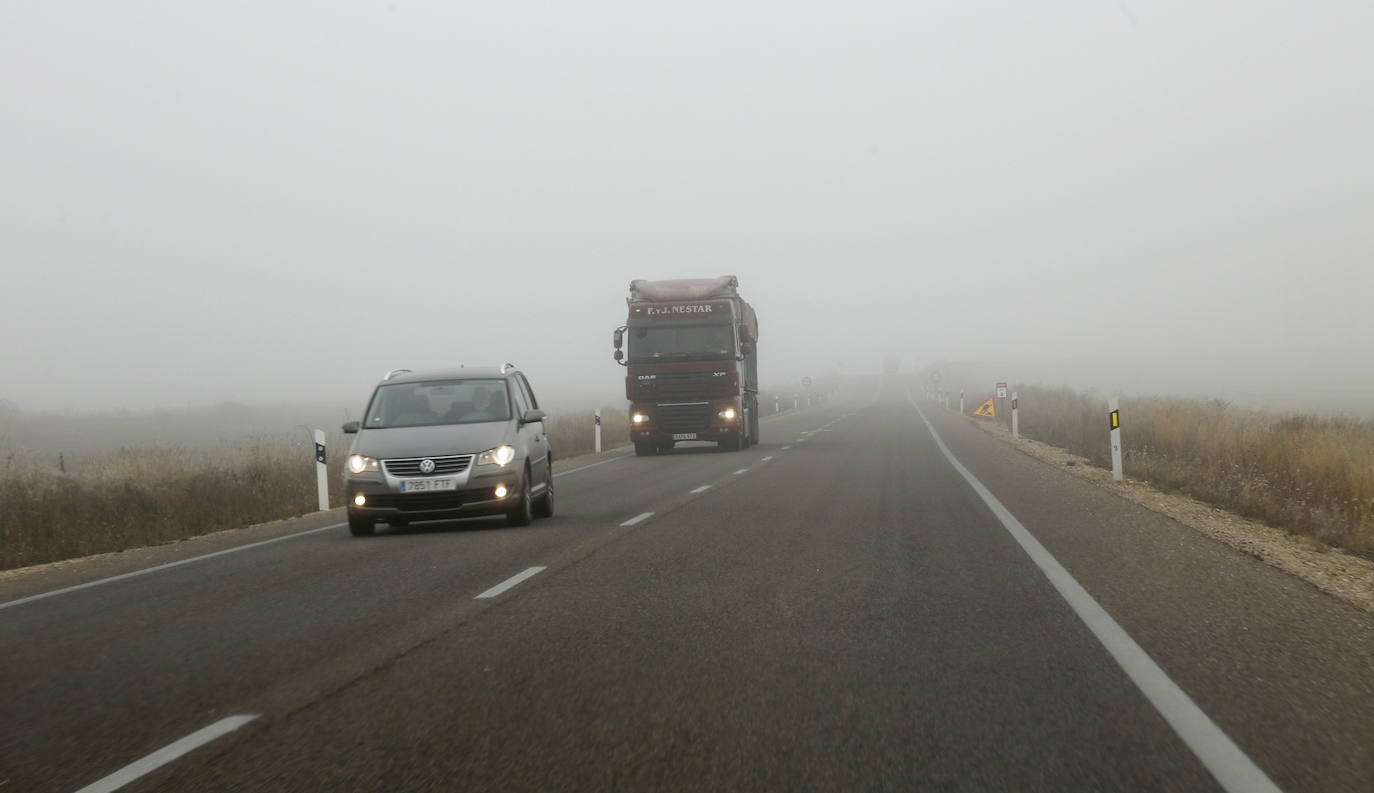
x=275, y=203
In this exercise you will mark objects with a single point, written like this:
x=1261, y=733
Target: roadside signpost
x=598, y=430
x=961, y=401
x=1001, y=390
x=987, y=410
x=321, y=471
x=1015, y=423
x=1114, y=423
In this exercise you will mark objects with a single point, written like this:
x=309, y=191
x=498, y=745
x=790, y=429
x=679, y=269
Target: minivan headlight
x=358, y=463
x=501, y=455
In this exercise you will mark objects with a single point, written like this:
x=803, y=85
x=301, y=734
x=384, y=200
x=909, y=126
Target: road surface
x=838, y=608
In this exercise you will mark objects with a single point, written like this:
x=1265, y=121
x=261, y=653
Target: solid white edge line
x=643, y=516
x=519, y=577
x=589, y=465
x=167, y=754
x=701, y=489
x=1231, y=767
x=166, y=566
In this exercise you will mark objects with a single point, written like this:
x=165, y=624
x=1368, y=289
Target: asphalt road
x=835, y=609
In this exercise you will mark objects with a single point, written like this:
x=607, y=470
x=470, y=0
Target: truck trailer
x=690, y=351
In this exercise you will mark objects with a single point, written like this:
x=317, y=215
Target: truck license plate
x=428, y=485
x=685, y=436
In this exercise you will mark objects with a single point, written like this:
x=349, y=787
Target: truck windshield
x=438, y=402
x=681, y=343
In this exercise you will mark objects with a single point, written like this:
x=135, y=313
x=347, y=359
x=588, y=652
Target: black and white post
x=1114, y=422
x=598, y=430
x=321, y=471
x=1015, y=415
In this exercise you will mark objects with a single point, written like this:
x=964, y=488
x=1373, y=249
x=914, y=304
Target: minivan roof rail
x=395, y=372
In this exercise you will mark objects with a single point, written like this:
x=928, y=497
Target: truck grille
x=442, y=465
x=667, y=385
x=684, y=417
x=416, y=502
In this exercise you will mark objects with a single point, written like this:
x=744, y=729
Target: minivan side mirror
x=532, y=416
x=350, y=428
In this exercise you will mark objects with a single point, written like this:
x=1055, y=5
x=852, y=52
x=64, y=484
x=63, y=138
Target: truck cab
x=690, y=350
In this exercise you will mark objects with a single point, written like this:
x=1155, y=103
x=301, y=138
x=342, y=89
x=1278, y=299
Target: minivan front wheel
x=521, y=512
x=360, y=526
x=543, y=508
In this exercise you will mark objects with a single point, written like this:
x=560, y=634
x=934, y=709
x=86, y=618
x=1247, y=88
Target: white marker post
x=961, y=400
x=1015, y=422
x=598, y=430
x=794, y=401
x=321, y=471
x=777, y=404
x=1114, y=422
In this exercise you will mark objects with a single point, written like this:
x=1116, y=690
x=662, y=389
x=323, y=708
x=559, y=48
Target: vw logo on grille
x=426, y=466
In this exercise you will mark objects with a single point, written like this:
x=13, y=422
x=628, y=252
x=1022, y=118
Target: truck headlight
x=639, y=418
x=728, y=414
x=501, y=455
x=358, y=463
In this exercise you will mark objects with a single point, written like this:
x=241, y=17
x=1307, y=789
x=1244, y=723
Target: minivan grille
x=442, y=465
x=417, y=502
x=684, y=417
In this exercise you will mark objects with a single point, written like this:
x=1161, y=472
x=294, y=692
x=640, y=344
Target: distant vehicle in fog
x=691, y=354
x=449, y=443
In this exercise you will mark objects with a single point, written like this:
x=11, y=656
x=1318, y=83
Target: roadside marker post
x=597, y=418
x=961, y=401
x=1114, y=423
x=794, y=401
x=1015, y=423
x=321, y=471
x=777, y=405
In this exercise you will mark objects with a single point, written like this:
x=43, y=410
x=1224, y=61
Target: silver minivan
x=449, y=443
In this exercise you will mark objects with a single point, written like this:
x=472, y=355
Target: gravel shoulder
x=1331, y=570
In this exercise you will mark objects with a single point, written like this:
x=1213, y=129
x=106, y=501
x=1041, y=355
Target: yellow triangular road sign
x=987, y=410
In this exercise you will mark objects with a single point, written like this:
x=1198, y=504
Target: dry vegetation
x=1311, y=475
x=144, y=495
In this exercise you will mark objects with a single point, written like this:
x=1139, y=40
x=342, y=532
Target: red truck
x=692, y=374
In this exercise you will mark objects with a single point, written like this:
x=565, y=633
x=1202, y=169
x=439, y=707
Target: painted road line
x=766, y=459
x=510, y=582
x=701, y=489
x=166, y=754
x=1235, y=771
x=741, y=471
x=640, y=518
x=785, y=448
x=590, y=465
x=167, y=566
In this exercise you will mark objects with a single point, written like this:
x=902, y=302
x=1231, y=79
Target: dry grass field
x=93, y=483
x=1311, y=475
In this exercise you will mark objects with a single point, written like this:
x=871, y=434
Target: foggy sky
x=272, y=201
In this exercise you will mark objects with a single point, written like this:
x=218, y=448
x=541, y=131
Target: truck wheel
x=645, y=448
x=359, y=526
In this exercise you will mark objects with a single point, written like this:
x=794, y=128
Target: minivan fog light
x=360, y=499
x=501, y=491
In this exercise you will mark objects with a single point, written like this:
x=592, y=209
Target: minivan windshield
x=426, y=404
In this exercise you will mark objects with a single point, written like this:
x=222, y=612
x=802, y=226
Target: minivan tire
x=543, y=508
x=360, y=526
x=522, y=512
